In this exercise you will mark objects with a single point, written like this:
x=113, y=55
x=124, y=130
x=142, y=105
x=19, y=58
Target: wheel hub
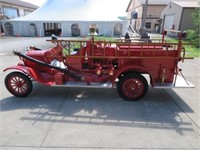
x=133, y=88
x=19, y=84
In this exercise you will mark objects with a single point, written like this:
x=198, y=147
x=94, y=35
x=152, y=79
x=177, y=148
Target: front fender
x=26, y=70
x=23, y=69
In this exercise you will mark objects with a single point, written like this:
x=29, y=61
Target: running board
x=86, y=85
x=180, y=82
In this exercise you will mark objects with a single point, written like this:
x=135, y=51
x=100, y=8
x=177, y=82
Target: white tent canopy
x=78, y=10
x=70, y=16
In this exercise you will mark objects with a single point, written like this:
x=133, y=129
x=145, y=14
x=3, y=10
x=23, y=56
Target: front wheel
x=18, y=84
x=132, y=87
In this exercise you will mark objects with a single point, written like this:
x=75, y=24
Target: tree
x=193, y=35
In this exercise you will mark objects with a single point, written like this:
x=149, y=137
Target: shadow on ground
x=104, y=107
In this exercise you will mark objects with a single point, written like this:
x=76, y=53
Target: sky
x=36, y=2
x=123, y=5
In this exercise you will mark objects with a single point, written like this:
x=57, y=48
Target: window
x=148, y=25
x=10, y=12
x=118, y=29
x=32, y=29
x=1, y=28
x=26, y=12
x=52, y=28
x=92, y=27
x=51, y=25
x=8, y=29
x=134, y=15
x=75, y=29
x=1, y=10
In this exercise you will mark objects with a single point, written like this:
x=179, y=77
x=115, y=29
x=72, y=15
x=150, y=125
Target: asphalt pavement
x=57, y=118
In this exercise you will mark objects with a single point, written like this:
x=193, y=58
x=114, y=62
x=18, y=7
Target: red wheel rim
x=133, y=88
x=17, y=85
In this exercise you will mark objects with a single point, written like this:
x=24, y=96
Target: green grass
x=191, y=50
x=104, y=38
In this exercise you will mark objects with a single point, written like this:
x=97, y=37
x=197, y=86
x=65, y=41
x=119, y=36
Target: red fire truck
x=130, y=66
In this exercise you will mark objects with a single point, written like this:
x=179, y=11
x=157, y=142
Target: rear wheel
x=18, y=84
x=132, y=87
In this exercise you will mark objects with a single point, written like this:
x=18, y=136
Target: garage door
x=168, y=22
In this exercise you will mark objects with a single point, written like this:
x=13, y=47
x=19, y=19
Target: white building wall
x=172, y=9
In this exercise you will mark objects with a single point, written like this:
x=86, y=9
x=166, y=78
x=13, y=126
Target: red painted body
x=101, y=62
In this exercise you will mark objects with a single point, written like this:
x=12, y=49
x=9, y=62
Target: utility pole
x=144, y=18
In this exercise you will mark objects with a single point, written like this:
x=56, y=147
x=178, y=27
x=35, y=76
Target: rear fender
x=134, y=69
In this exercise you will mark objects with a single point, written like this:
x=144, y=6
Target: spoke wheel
x=132, y=87
x=18, y=84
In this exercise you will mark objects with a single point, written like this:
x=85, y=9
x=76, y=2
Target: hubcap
x=133, y=88
x=18, y=85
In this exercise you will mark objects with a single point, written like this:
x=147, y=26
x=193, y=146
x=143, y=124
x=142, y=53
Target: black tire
x=18, y=84
x=132, y=87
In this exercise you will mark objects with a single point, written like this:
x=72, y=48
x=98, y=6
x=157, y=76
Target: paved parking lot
x=76, y=118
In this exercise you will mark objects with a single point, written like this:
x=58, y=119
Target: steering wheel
x=65, y=44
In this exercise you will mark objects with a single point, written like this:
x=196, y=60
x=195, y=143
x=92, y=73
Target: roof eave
x=129, y=5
